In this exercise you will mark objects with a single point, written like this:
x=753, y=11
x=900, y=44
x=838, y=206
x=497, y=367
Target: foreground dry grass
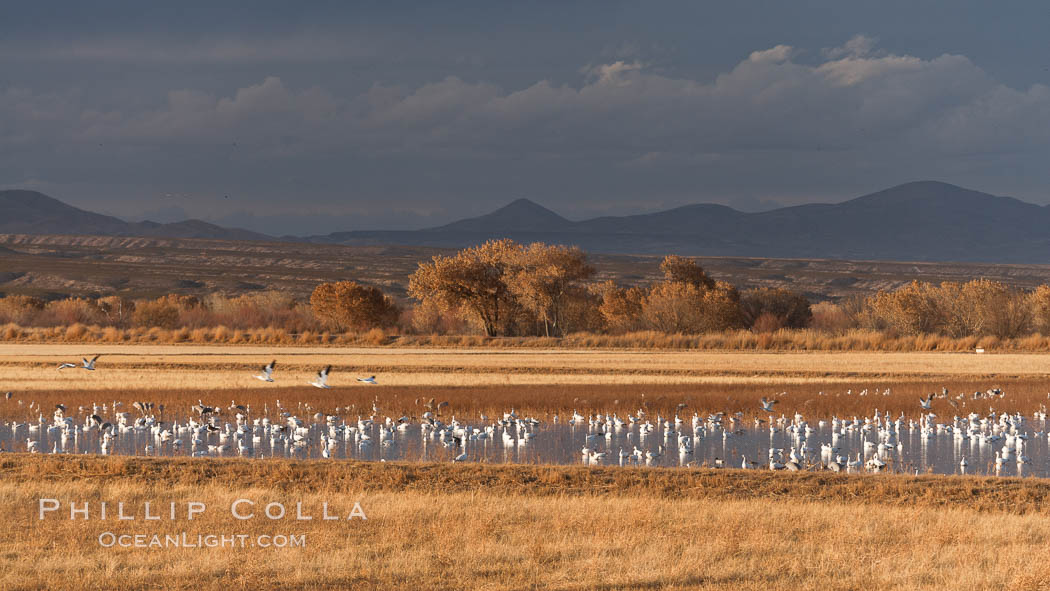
x=475, y=527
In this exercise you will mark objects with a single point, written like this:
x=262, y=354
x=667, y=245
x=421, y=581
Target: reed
x=735, y=340
x=481, y=527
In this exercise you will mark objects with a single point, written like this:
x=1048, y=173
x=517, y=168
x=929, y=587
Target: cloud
x=620, y=129
x=850, y=99
x=857, y=47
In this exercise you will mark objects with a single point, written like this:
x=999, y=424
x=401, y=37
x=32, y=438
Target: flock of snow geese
x=320, y=381
x=877, y=443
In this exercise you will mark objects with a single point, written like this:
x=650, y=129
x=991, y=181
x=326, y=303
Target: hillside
x=31, y=212
x=920, y=221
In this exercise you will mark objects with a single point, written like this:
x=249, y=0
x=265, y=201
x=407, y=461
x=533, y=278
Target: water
x=909, y=445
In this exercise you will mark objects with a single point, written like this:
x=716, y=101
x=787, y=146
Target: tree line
x=503, y=288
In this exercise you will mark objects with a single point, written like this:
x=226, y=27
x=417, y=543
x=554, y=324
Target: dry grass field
x=474, y=527
x=208, y=367
x=539, y=382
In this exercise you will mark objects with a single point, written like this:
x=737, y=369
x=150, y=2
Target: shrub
x=349, y=305
x=161, y=313
x=790, y=309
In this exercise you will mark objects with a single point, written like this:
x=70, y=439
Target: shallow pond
x=908, y=445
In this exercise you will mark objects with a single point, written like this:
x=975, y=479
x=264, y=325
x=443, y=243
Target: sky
x=309, y=118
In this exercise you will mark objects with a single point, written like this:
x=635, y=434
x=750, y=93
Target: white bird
x=368, y=380
x=322, y=378
x=85, y=364
x=767, y=405
x=926, y=402
x=267, y=372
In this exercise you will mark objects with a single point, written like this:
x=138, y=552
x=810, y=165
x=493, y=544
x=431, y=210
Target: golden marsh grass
x=31, y=367
x=474, y=527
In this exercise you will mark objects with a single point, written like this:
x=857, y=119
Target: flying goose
x=767, y=405
x=368, y=380
x=926, y=402
x=88, y=365
x=267, y=372
x=322, y=378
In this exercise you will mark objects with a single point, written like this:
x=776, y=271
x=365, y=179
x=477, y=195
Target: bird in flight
x=88, y=365
x=767, y=405
x=267, y=372
x=926, y=402
x=321, y=381
x=368, y=380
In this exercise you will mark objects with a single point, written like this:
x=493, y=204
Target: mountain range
x=919, y=221
x=31, y=212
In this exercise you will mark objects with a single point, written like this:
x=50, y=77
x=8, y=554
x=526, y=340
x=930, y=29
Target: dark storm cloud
x=328, y=118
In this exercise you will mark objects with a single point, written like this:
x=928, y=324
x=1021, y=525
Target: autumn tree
x=541, y=278
x=161, y=313
x=621, y=308
x=350, y=305
x=673, y=307
x=678, y=269
x=975, y=308
x=474, y=279
x=688, y=301
x=1039, y=308
x=581, y=311
x=778, y=307
x=721, y=308
x=912, y=309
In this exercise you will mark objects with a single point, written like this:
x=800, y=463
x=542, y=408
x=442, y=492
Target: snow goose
x=85, y=364
x=267, y=372
x=321, y=381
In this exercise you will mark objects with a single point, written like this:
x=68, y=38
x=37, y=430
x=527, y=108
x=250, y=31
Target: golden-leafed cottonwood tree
x=474, y=279
x=350, y=305
x=543, y=279
x=688, y=301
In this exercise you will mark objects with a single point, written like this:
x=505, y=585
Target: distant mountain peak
x=530, y=208
x=920, y=220
x=520, y=215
